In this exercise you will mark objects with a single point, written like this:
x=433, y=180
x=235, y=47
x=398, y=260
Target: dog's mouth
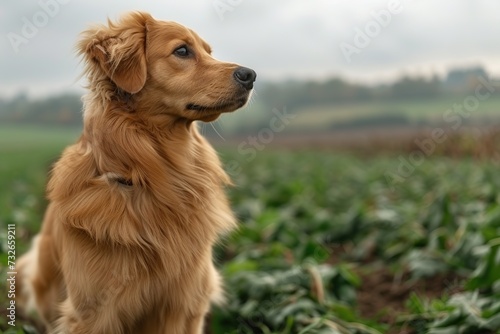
x=218, y=108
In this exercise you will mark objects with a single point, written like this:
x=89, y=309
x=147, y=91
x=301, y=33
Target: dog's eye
x=182, y=52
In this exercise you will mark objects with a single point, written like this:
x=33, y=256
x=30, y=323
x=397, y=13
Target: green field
x=432, y=111
x=314, y=119
x=325, y=244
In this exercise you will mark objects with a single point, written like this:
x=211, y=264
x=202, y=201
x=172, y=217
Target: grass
x=26, y=155
x=19, y=138
x=325, y=245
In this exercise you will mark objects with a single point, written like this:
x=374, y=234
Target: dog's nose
x=245, y=76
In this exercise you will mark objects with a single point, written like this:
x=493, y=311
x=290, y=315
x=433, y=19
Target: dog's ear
x=124, y=65
x=119, y=51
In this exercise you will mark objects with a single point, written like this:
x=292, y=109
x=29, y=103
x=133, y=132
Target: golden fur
x=138, y=202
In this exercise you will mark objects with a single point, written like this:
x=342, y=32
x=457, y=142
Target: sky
x=367, y=41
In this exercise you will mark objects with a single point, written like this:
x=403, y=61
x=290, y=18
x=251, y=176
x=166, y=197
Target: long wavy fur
x=136, y=205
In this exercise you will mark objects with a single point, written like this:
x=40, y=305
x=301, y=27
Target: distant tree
x=416, y=88
x=464, y=80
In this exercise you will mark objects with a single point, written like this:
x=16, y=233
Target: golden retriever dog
x=138, y=202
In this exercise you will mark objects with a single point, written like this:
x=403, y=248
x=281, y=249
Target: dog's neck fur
x=169, y=165
x=116, y=123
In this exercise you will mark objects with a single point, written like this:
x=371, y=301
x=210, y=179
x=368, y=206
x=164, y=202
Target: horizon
x=442, y=76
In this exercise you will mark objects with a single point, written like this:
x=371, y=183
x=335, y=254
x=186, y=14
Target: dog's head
x=166, y=62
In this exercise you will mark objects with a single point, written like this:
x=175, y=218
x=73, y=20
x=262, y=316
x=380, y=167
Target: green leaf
x=415, y=304
x=488, y=271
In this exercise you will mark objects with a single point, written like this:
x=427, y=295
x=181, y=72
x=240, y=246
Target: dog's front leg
x=88, y=319
x=95, y=307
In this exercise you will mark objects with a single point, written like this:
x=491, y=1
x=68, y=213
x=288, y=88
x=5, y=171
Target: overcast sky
x=280, y=39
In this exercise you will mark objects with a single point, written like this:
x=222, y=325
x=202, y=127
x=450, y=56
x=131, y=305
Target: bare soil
x=479, y=142
x=383, y=295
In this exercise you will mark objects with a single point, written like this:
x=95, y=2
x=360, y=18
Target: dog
x=137, y=203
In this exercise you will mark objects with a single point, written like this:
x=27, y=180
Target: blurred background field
x=325, y=245
x=367, y=190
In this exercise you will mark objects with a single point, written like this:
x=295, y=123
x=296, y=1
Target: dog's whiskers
x=217, y=132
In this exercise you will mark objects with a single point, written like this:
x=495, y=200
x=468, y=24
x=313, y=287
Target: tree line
x=297, y=94
x=66, y=109
x=55, y=110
